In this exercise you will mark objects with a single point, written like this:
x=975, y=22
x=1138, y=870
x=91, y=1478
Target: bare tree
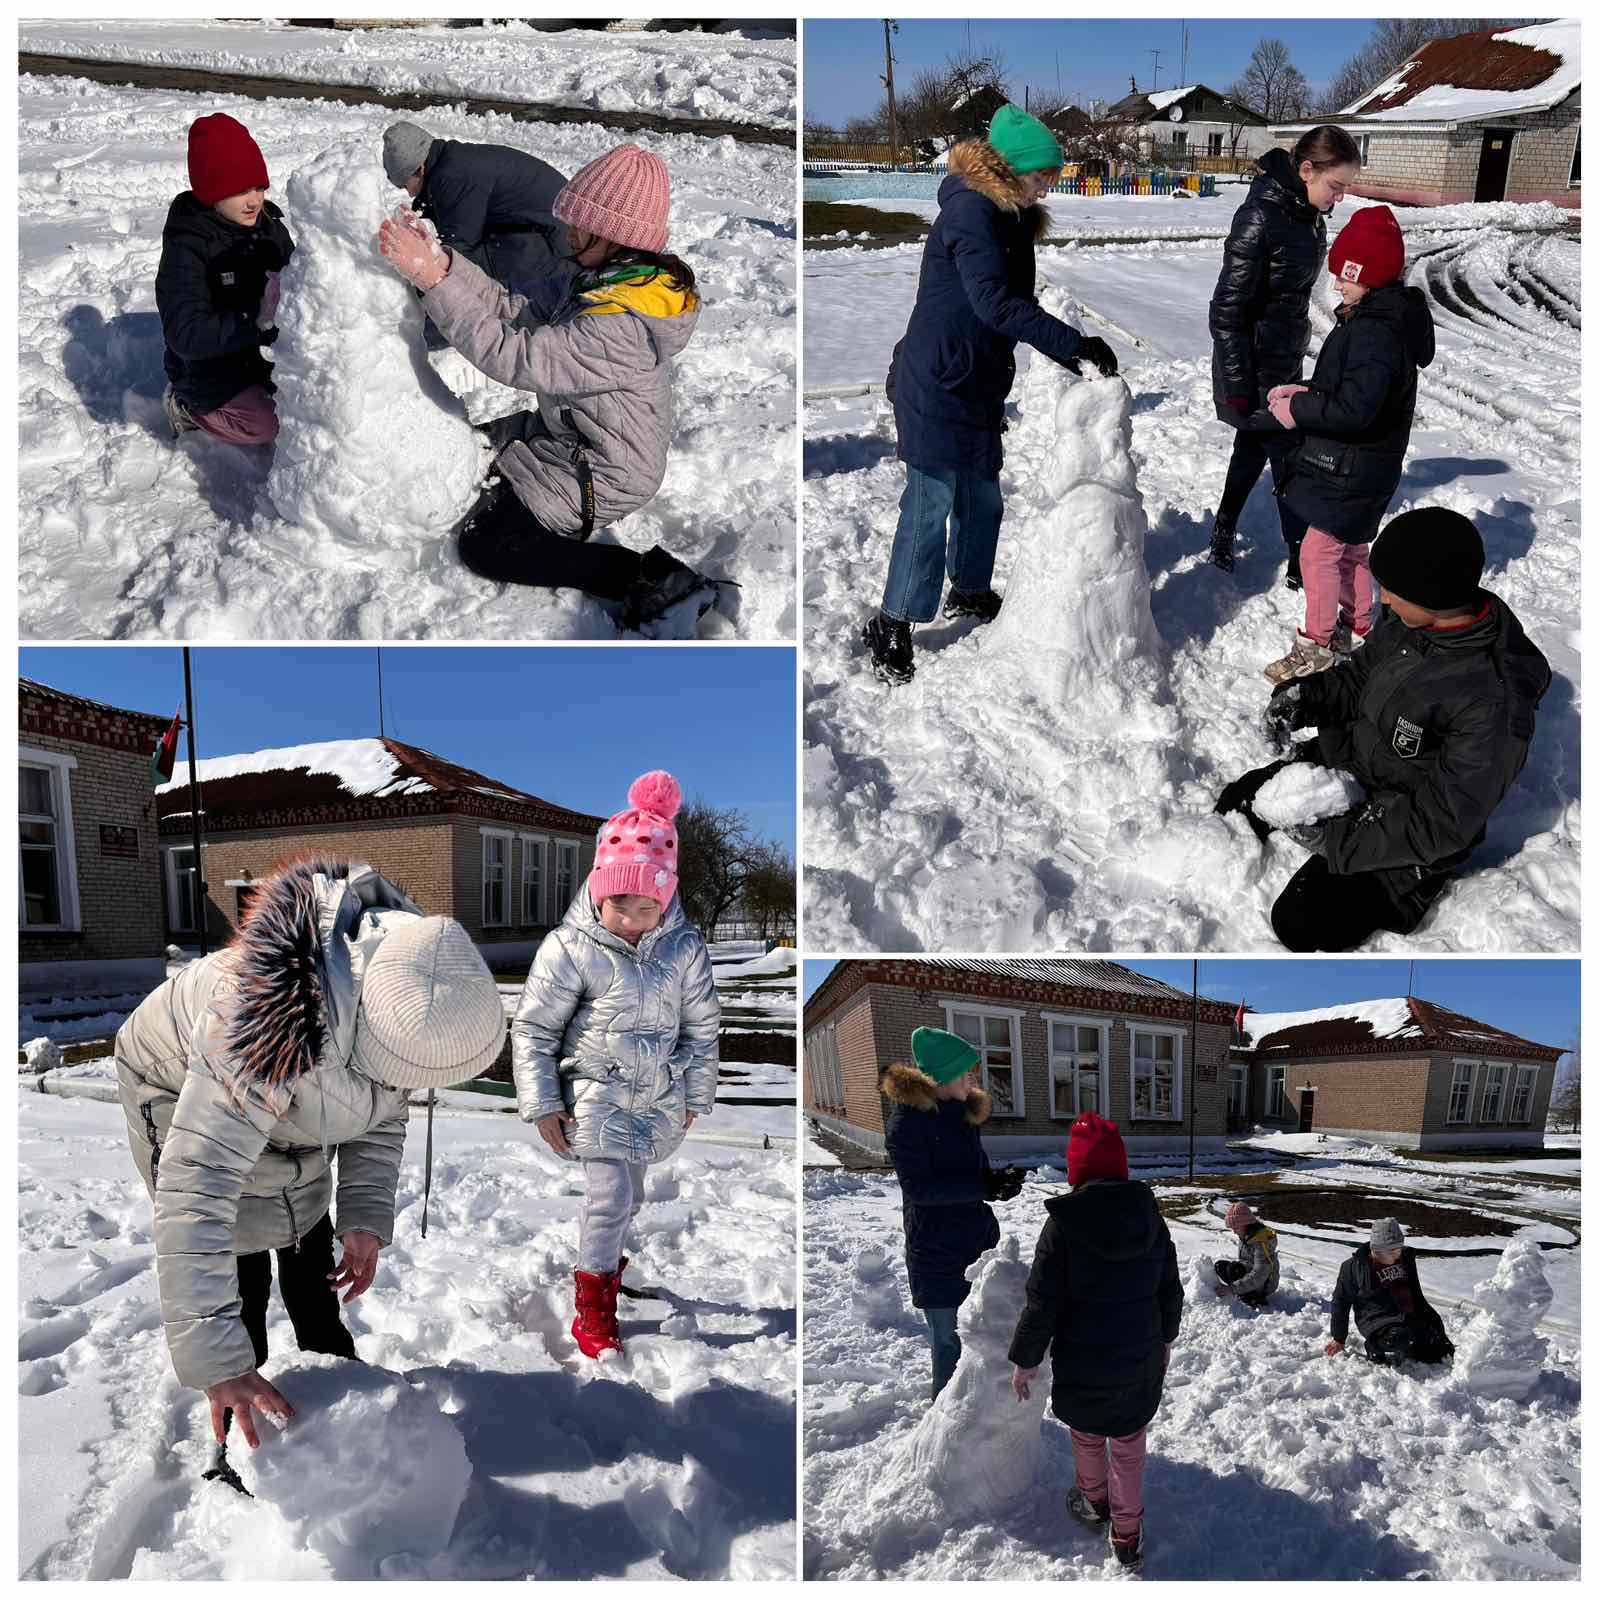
x=1271, y=85
x=1566, y=1099
x=1101, y=145
x=715, y=851
x=769, y=889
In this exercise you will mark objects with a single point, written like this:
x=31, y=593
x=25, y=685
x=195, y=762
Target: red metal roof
x=1435, y=1027
x=1468, y=61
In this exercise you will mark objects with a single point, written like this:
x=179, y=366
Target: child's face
x=1386, y=1258
x=242, y=208
x=1352, y=293
x=1036, y=185
x=959, y=1088
x=589, y=249
x=630, y=916
x=1326, y=189
x=414, y=183
x=1414, y=616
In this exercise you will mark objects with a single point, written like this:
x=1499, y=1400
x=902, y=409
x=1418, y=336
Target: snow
x=1162, y=98
x=362, y=766
x=1388, y=1019
x=1305, y=793
x=41, y=1055
x=1499, y=1355
x=876, y=1302
x=812, y=1154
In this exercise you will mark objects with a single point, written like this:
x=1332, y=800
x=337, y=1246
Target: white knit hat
x=430, y=1014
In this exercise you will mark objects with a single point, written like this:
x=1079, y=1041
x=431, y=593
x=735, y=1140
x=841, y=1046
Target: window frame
x=1471, y=1067
x=564, y=849
x=1013, y=1019
x=169, y=873
x=1574, y=167
x=1277, y=1103
x=528, y=842
x=1178, y=1035
x=1103, y=1070
x=1519, y=1074
x=1238, y=1078
x=59, y=767
x=1490, y=1068
x=503, y=836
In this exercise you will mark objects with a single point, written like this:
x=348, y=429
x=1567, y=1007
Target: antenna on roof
x=1411, y=974
x=381, y=733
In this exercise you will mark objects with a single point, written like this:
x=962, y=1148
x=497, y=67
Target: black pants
x=1251, y=452
x=1232, y=1272
x=1413, y=1340
x=308, y=1297
x=505, y=542
x=1323, y=910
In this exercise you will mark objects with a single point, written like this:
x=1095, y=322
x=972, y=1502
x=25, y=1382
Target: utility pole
x=1194, y=1062
x=194, y=809
x=381, y=733
x=1183, y=53
x=1155, y=69
x=891, y=26
x=1411, y=979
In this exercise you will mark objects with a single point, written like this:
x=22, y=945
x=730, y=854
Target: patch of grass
x=823, y=218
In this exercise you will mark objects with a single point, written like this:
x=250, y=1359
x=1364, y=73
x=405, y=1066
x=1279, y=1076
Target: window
x=1461, y=1093
x=1214, y=144
x=566, y=874
x=47, y=870
x=1180, y=139
x=181, y=885
x=1492, y=1107
x=1238, y=1102
x=822, y=1059
x=1277, y=1106
x=994, y=1035
x=1077, y=1065
x=1574, y=177
x=1157, y=1074
x=1366, y=148
x=1522, y=1094
x=533, y=881
x=496, y=869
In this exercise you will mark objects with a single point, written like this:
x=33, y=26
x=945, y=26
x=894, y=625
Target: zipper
x=294, y=1227
x=155, y=1141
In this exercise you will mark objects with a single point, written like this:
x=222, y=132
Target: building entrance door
x=1308, y=1101
x=1494, y=163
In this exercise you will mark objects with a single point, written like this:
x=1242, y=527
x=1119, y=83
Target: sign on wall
x=116, y=840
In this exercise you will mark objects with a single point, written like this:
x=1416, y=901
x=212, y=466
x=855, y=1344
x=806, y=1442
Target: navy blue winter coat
x=943, y=1169
x=975, y=301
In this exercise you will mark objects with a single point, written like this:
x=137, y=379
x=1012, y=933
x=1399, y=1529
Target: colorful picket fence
x=1203, y=184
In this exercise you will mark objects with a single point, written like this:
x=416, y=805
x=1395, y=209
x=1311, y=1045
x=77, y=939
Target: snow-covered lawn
x=1267, y=1460
x=993, y=805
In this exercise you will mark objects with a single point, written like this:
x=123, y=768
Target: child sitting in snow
x=1356, y=421
x=1253, y=1276
x=222, y=249
x=614, y=1044
x=600, y=361
x=1380, y=1282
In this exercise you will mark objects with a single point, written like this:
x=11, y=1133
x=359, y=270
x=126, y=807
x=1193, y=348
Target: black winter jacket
x=1355, y=419
x=943, y=1169
x=1374, y=1306
x=1437, y=727
x=208, y=290
x=1260, y=309
x=1104, y=1298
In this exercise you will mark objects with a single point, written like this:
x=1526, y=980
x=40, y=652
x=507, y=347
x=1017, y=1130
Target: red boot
x=595, y=1325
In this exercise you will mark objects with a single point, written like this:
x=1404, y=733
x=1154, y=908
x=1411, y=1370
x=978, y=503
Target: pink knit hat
x=637, y=852
x=1241, y=1216
x=621, y=197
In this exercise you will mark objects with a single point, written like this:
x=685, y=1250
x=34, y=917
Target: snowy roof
x=1144, y=106
x=1382, y=1026
x=1160, y=99
x=1473, y=76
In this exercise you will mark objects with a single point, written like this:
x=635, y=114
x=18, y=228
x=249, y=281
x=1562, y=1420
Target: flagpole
x=194, y=807
x=1194, y=1063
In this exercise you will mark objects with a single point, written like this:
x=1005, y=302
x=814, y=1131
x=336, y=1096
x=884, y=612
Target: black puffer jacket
x=208, y=291
x=1260, y=309
x=1104, y=1298
x=1358, y=1289
x=943, y=1169
x=1437, y=727
x=1356, y=416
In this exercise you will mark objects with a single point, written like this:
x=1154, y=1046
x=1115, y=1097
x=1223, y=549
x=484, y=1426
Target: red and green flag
x=165, y=754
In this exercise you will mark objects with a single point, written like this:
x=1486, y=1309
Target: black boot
x=664, y=582
x=984, y=604
x=223, y=1472
x=1220, y=554
x=1292, y=579
x=888, y=641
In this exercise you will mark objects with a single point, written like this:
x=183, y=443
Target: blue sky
x=1096, y=58
x=574, y=726
x=1536, y=999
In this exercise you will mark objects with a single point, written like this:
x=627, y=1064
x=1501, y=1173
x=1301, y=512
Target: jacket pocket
x=952, y=362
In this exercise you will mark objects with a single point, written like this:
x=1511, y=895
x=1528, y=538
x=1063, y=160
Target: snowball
x=1304, y=793
x=1499, y=1356
x=41, y=1055
x=875, y=1299
x=372, y=450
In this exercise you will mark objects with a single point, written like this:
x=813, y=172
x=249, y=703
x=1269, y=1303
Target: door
x=1308, y=1100
x=1494, y=163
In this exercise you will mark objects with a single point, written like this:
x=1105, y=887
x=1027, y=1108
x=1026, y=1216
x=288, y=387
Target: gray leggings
x=614, y=1193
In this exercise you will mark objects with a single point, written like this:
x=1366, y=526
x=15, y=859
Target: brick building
x=503, y=863
x=1057, y=1038
x=89, y=906
x=1401, y=1072
x=1482, y=116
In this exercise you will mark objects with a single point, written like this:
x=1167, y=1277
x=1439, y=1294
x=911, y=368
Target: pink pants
x=1126, y=1475
x=1338, y=585
x=250, y=417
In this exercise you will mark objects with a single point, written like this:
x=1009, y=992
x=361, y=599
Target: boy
x=1380, y=1281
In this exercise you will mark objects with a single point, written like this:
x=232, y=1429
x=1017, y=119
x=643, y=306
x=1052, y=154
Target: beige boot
x=1346, y=641
x=1305, y=658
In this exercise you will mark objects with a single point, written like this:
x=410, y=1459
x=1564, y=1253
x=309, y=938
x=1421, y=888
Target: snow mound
x=485, y=400
x=373, y=451
x=41, y=1055
x=1304, y=793
x=1500, y=1356
x=876, y=1300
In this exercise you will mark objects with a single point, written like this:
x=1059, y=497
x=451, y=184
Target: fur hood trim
x=985, y=171
x=912, y=1087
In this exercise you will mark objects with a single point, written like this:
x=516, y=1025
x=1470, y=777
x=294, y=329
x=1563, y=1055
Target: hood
x=1517, y=660
x=977, y=167
x=1280, y=185
x=1406, y=310
x=669, y=311
x=583, y=916
x=912, y=1087
x=1116, y=1219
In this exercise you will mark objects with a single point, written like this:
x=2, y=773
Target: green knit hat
x=943, y=1056
x=1024, y=141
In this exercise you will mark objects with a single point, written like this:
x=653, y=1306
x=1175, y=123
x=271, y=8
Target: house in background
x=1056, y=1038
x=1482, y=116
x=1406, y=1073
x=88, y=901
x=503, y=863
x=1193, y=127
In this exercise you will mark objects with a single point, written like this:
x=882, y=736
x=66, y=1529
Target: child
x=1104, y=1299
x=599, y=356
x=217, y=288
x=953, y=371
x=933, y=1138
x=614, y=1045
x=1253, y=1277
x=1380, y=1281
x=1356, y=421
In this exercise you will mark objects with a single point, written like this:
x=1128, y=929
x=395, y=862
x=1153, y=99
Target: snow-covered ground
x=725, y=76
x=1266, y=1460
x=986, y=807
x=124, y=534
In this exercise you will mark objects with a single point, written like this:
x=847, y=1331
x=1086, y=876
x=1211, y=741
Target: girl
x=614, y=1045
x=952, y=373
x=1354, y=424
x=1104, y=1299
x=217, y=288
x=1260, y=314
x=599, y=357
x=1253, y=1276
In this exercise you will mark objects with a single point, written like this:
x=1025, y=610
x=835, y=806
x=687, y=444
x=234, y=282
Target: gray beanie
x=1386, y=1234
x=405, y=148
x=431, y=1013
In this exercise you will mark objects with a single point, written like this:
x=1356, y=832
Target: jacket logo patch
x=227, y=278
x=1407, y=740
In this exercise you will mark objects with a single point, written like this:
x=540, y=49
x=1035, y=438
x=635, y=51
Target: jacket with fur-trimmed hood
x=937, y=1150
x=975, y=303
x=239, y=1081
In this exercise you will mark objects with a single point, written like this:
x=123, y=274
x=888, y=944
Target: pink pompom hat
x=622, y=197
x=637, y=851
x=1240, y=1217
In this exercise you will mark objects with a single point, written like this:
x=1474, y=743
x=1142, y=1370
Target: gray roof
x=1108, y=975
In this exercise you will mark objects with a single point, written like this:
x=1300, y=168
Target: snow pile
x=372, y=452
x=1500, y=1356
x=876, y=1301
x=484, y=399
x=41, y=1055
x=1304, y=793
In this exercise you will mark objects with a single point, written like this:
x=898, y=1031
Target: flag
x=1238, y=1020
x=165, y=753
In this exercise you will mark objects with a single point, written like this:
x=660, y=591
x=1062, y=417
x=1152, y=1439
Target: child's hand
x=1284, y=389
x=553, y=1130
x=1021, y=1377
x=242, y=1396
x=1278, y=404
x=1333, y=1347
x=688, y=1120
x=267, y=315
x=413, y=254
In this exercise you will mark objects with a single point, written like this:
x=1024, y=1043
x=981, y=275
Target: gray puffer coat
x=241, y=1098
x=623, y=1037
x=600, y=361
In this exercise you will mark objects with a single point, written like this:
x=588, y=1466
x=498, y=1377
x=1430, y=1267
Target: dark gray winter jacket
x=1375, y=1307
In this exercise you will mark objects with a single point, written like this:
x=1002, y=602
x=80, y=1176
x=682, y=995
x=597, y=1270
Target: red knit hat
x=1095, y=1150
x=223, y=159
x=621, y=197
x=637, y=850
x=1369, y=250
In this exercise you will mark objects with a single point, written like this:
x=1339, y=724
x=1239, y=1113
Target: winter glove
x=1237, y=796
x=1308, y=835
x=1097, y=353
x=267, y=312
x=1004, y=1183
x=1282, y=715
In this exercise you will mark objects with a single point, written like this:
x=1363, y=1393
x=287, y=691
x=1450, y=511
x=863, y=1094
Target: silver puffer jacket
x=623, y=1037
x=241, y=1097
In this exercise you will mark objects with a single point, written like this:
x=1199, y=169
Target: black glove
x=1283, y=714
x=1097, y=353
x=1004, y=1183
x=1237, y=796
x=1308, y=835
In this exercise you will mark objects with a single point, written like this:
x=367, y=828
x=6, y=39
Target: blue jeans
x=949, y=521
x=945, y=1342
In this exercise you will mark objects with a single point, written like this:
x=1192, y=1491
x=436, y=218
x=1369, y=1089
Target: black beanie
x=1431, y=557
